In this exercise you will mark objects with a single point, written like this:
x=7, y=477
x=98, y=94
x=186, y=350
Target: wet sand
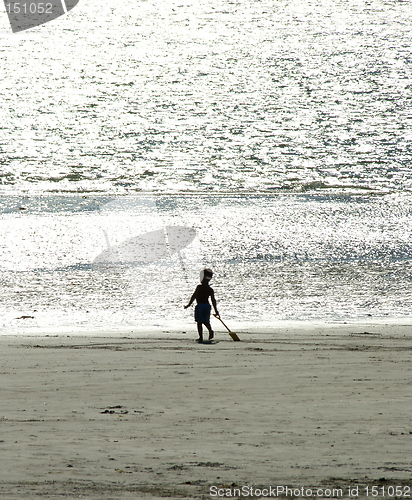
x=325, y=406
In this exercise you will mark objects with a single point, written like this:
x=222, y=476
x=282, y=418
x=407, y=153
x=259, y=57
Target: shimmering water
x=279, y=131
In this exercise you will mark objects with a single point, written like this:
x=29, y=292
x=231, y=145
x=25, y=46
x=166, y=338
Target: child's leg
x=200, y=331
x=211, y=333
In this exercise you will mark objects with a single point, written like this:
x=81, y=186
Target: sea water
x=280, y=132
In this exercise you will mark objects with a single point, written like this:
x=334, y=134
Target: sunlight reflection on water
x=290, y=121
x=275, y=257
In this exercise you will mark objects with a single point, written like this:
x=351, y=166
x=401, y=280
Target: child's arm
x=212, y=298
x=191, y=299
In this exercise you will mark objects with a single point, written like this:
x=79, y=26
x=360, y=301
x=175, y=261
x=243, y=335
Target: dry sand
x=129, y=418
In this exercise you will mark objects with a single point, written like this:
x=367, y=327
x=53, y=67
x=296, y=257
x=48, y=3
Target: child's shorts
x=202, y=313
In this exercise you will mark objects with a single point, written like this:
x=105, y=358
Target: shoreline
x=165, y=417
x=181, y=330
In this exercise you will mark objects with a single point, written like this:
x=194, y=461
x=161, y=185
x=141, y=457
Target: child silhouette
x=203, y=308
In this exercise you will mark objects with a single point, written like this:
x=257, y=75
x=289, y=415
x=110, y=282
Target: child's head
x=206, y=275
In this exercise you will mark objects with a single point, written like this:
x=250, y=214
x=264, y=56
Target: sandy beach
x=316, y=407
